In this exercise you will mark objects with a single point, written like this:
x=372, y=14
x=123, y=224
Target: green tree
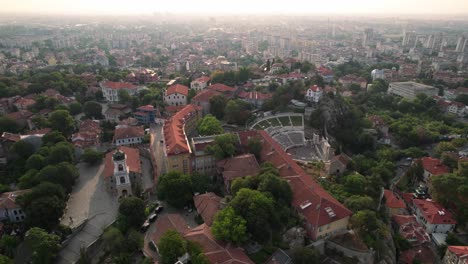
x=191, y=94
x=5, y=260
x=8, y=125
x=357, y=202
x=217, y=104
x=209, y=125
x=255, y=147
x=171, y=246
x=132, y=211
x=93, y=109
x=61, y=152
x=124, y=96
x=75, y=108
x=114, y=240
x=8, y=245
x=53, y=138
x=303, y=255
x=91, y=156
x=229, y=227
x=224, y=146
x=35, y=161
x=355, y=183
x=62, y=121
x=364, y=221
x=43, y=205
x=237, y=112
x=175, y=188
x=22, y=149
x=43, y=245
x=258, y=210
x=243, y=75
x=134, y=240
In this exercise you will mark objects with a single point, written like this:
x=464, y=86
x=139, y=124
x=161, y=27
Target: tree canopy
x=171, y=246
x=224, y=146
x=43, y=245
x=230, y=227
x=175, y=188
x=209, y=125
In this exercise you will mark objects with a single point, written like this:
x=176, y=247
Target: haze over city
x=234, y=131
x=123, y=7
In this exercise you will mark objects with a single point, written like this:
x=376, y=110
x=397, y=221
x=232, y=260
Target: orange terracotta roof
x=174, y=130
x=8, y=199
x=133, y=161
x=392, y=201
x=168, y=222
x=434, y=166
x=207, y=204
x=254, y=95
x=177, y=88
x=213, y=250
x=118, y=85
x=124, y=132
x=203, y=79
x=458, y=250
x=222, y=88
x=422, y=253
x=20, y=115
x=433, y=212
x=411, y=230
x=205, y=95
x=238, y=167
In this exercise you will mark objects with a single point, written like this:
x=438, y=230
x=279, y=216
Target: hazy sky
x=236, y=6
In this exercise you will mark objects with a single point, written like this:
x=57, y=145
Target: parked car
x=145, y=226
x=159, y=209
x=152, y=217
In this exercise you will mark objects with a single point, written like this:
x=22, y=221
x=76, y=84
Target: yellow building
x=178, y=151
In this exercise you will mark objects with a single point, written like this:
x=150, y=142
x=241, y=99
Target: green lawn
x=274, y=122
x=284, y=120
x=296, y=120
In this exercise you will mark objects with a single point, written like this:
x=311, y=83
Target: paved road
x=89, y=200
x=158, y=147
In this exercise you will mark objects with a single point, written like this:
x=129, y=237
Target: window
x=120, y=167
x=15, y=212
x=122, y=180
x=17, y=218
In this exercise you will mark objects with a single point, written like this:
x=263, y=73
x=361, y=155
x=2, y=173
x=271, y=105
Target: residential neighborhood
x=249, y=138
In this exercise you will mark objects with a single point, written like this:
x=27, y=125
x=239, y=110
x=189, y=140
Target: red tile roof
x=222, y=88
x=20, y=115
x=8, y=199
x=133, y=161
x=147, y=108
x=434, y=166
x=254, y=95
x=392, y=201
x=411, y=230
x=238, y=167
x=177, y=88
x=214, y=251
x=207, y=204
x=421, y=253
x=11, y=137
x=315, y=88
x=24, y=102
x=118, y=85
x=205, y=95
x=124, y=132
x=433, y=212
x=203, y=79
x=458, y=250
x=174, y=130
x=311, y=200
x=168, y=222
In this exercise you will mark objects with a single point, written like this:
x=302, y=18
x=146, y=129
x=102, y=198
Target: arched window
x=120, y=167
x=122, y=180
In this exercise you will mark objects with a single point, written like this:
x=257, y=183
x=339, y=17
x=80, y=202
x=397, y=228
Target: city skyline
x=123, y=7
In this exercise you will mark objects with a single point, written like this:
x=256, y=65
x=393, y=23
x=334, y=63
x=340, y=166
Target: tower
x=121, y=174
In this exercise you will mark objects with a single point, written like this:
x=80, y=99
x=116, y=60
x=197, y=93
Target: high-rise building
x=368, y=36
x=461, y=44
x=409, y=39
